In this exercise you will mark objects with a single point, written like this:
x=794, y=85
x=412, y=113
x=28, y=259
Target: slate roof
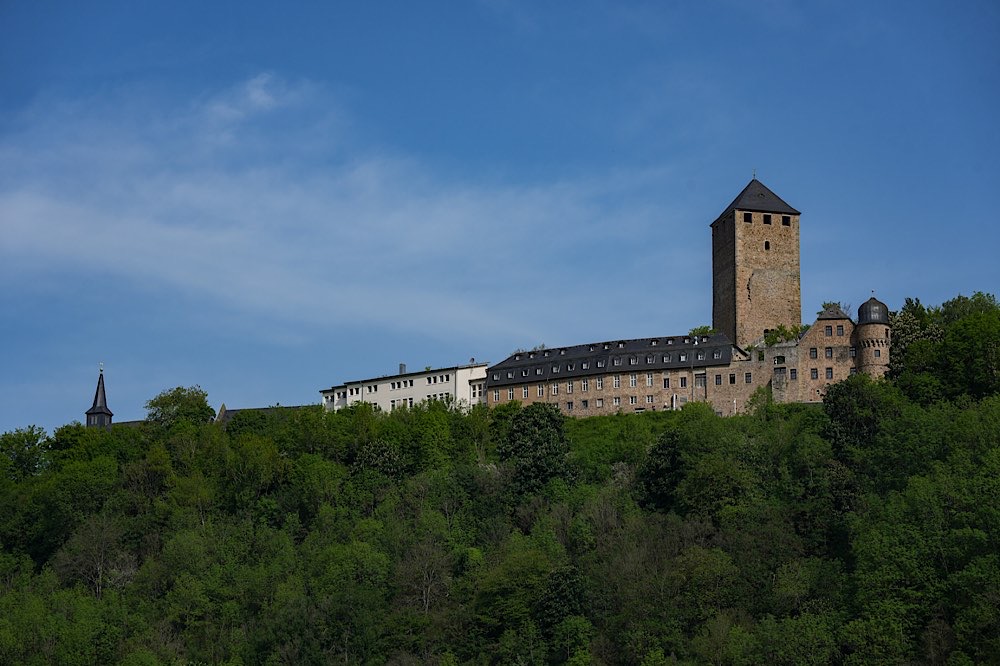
x=758, y=198
x=873, y=311
x=599, y=358
x=832, y=312
x=100, y=399
x=226, y=415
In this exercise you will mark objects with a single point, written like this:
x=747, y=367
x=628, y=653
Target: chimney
x=402, y=368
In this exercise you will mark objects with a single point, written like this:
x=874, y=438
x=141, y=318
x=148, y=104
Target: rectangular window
x=569, y=406
x=600, y=364
x=632, y=380
x=649, y=379
x=569, y=387
x=541, y=390
x=812, y=352
x=732, y=378
x=524, y=391
x=649, y=400
x=666, y=382
x=829, y=373
x=786, y=220
x=767, y=219
x=616, y=401
x=684, y=357
x=649, y=358
x=793, y=374
x=555, y=389
x=618, y=381
x=510, y=394
x=684, y=382
x=828, y=331
x=748, y=217
x=699, y=381
x=854, y=352
x=633, y=360
x=828, y=352
x=600, y=383
x=813, y=373
x=599, y=402
x=840, y=330
x=854, y=371
x=585, y=365
x=496, y=395
x=617, y=361
x=717, y=354
x=718, y=380
x=584, y=404
x=701, y=356
x=632, y=400
x=878, y=353
x=584, y=385
x=747, y=378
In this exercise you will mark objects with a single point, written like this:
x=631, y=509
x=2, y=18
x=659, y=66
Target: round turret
x=871, y=338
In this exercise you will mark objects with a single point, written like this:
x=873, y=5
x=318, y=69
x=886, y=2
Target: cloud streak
x=260, y=197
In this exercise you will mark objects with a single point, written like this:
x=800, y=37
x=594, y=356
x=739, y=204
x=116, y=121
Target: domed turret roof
x=873, y=311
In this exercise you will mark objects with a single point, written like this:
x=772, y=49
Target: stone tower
x=99, y=416
x=871, y=338
x=755, y=266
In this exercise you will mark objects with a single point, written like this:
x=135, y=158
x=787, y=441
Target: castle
x=757, y=342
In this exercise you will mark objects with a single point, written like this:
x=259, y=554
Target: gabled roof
x=757, y=197
x=100, y=398
x=833, y=312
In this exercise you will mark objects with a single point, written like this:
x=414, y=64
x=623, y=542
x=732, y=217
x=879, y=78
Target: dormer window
x=653, y=343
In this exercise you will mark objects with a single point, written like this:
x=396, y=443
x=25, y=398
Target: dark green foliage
x=864, y=530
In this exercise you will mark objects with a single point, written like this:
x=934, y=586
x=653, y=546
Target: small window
x=717, y=354
x=767, y=219
x=599, y=402
x=840, y=330
x=747, y=378
x=701, y=356
x=510, y=394
x=632, y=400
x=617, y=361
x=854, y=352
x=793, y=374
x=732, y=378
x=585, y=365
x=829, y=373
x=569, y=387
x=812, y=352
x=496, y=395
x=828, y=331
x=878, y=353
x=555, y=389
x=585, y=385
x=684, y=357
x=813, y=373
x=539, y=371
x=570, y=366
x=524, y=391
x=600, y=383
x=524, y=373
x=569, y=406
x=633, y=360
x=718, y=380
x=699, y=381
x=828, y=352
x=748, y=217
x=584, y=404
x=666, y=358
x=778, y=360
x=666, y=382
x=496, y=377
x=684, y=382
x=767, y=245
x=786, y=220
x=600, y=364
x=541, y=390
x=649, y=358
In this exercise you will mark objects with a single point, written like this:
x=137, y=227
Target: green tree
x=535, y=449
x=23, y=452
x=179, y=405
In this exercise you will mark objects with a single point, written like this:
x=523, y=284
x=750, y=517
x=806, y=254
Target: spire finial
x=754, y=172
x=102, y=367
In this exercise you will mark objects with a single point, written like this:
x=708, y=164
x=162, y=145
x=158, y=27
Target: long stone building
x=756, y=289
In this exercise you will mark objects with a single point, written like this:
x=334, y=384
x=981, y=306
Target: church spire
x=99, y=416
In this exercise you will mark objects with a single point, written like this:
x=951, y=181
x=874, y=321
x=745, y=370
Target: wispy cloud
x=259, y=197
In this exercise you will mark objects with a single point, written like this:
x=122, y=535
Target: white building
x=464, y=385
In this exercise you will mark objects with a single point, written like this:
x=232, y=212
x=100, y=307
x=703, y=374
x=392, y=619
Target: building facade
x=756, y=285
x=462, y=385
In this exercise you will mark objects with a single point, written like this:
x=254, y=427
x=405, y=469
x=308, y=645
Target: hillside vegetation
x=864, y=530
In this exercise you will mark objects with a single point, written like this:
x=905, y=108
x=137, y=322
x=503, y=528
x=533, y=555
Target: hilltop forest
x=863, y=530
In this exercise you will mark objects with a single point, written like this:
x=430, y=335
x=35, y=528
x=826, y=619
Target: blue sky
x=268, y=199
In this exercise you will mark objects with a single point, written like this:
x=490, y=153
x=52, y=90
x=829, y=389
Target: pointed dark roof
x=873, y=311
x=100, y=399
x=757, y=197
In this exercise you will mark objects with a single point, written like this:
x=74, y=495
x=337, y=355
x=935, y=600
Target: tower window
x=878, y=353
x=767, y=219
x=767, y=245
x=786, y=221
x=748, y=217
